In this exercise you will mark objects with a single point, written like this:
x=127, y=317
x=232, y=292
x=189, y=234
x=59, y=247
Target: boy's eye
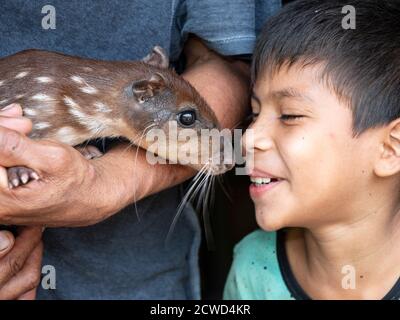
x=290, y=117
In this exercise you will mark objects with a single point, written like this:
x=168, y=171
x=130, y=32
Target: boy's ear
x=158, y=58
x=388, y=163
x=143, y=90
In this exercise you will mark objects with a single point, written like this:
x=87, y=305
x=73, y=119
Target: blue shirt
x=123, y=258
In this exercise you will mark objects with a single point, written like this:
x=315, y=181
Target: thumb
x=12, y=110
x=6, y=242
x=20, y=124
x=18, y=150
x=11, y=117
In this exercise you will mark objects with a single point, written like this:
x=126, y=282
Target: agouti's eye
x=143, y=99
x=187, y=118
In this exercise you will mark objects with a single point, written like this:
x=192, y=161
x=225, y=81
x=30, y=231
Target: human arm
x=20, y=254
x=73, y=191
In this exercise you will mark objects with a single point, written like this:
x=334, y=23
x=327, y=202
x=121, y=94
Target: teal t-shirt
x=255, y=273
x=261, y=271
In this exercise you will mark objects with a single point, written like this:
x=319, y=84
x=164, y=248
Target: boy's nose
x=257, y=137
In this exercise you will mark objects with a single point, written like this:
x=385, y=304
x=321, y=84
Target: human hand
x=11, y=118
x=20, y=258
x=67, y=189
x=20, y=263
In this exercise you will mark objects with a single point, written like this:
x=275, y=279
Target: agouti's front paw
x=89, y=151
x=18, y=176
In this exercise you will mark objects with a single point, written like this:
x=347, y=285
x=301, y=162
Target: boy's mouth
x=260, y=185
x=261, y=181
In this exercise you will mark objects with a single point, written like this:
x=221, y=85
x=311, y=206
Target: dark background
x=229, y=224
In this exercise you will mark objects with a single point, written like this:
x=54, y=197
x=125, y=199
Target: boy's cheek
x=298, y=146
x=297, y=204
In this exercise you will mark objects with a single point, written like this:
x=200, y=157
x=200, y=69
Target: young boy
x=326, y=177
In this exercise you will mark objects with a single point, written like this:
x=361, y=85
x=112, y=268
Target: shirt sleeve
x=226, y=26
x=238, y=285
x=231, y=289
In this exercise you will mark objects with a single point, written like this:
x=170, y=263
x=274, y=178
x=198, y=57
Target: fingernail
x=4, y=242
x=10, y=106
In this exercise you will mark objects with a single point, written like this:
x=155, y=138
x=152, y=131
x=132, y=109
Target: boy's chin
x=269, y=221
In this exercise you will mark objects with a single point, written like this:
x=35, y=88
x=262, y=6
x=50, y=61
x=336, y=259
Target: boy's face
x=322, y=169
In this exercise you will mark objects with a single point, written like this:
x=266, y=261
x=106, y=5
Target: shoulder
x=256, y=252
x=257, y=242
x=255, y=267
x=255, y=272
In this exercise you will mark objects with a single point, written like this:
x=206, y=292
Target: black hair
x=361, y=65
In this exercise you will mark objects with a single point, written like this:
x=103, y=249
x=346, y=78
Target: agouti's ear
x=157, y=57
x=143, y=90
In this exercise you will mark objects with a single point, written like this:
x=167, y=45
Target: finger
x=6, y=242
x=18, y=150
x=27, y=279
x=3, y=178
x=12, y=263
x=30, y=295
x=12, y=110
x=20, y=124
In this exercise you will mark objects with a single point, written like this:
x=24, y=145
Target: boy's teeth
x=257, y=180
